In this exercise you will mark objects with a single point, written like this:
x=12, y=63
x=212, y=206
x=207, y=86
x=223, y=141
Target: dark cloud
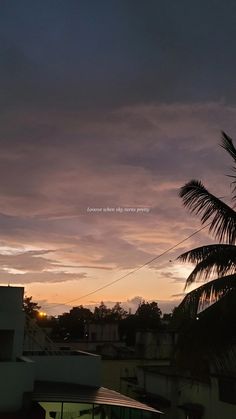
x=45, y=277
x=109, y=104
x=134, y=157
x=27, y=261
x=93, y=54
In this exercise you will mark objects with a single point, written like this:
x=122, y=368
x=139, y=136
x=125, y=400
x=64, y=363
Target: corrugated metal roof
x=54, y=392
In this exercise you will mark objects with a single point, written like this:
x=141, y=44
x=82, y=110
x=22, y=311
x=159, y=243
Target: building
x=181, y=396
x=41, y=381
x=200, y=381
x=154, y=344
x=104, y=331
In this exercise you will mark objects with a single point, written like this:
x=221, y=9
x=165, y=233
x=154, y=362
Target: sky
x=108, y=108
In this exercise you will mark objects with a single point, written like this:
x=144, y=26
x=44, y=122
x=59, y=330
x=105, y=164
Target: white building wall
x=13, y=322
x=17, y=374
x=12, y=317
x=16, y=378
x=183, y=391
x=81, y=369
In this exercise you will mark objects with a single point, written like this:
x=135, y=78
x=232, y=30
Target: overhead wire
x=109, y=284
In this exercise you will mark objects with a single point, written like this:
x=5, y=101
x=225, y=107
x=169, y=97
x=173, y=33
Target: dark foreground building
x=49, y=383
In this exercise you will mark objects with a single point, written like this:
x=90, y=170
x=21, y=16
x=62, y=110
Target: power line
x=131, y=272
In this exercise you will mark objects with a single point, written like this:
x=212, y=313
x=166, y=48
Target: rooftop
x=64, y=392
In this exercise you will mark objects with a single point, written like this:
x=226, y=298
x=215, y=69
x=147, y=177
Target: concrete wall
x=208, y=396
x=16, y=378
x=103, y=332
x=11, y=298
x=153, y=345
x=14, y=322
x=156, y=384
x=12, y=317
x=79, y=369
x=182, y=390
x=113, y=370
x=221, y=409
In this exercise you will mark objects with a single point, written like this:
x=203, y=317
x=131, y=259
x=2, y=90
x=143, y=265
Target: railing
x=37, y=339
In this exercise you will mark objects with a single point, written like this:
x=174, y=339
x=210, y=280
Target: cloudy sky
x=109, y=105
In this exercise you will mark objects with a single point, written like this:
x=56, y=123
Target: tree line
x=73, y=325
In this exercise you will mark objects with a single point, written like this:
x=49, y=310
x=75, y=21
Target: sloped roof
x=54, y=392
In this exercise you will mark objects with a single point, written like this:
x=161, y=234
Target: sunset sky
x=109, y=104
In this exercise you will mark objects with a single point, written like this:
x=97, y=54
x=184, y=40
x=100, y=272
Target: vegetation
x=74, y=324
x=30, y=307
x=146, y=317
x=205, y=336
x=216, y=259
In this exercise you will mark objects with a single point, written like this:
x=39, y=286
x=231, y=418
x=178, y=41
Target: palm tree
x=216, y=259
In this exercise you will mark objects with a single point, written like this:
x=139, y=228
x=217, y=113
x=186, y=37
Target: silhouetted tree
x=102, y=312
x=127, y=329
x=148, y=315
x=74, y=323
x=118, y=312
x=30, y=307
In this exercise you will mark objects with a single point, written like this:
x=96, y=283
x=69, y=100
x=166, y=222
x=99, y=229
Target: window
x=227, y=390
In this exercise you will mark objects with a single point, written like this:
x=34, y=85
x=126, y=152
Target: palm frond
x=206, y=294
x=216, y=259
x=211, y=266
x=227, y=144
x=201, y=202
x=200, y=253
